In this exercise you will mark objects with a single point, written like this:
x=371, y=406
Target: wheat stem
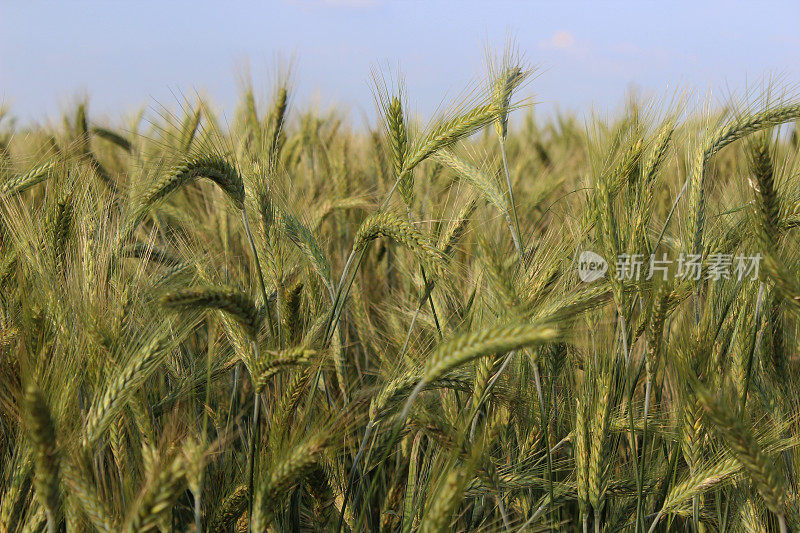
x=515, y=233
x=260, y=273
x=251, y=457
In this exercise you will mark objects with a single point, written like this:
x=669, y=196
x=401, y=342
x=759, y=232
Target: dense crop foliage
x=285, y=324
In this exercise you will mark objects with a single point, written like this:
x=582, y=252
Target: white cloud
x=560, y=40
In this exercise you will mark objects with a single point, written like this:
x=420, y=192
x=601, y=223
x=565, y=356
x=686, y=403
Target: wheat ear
x=398, y=138
x=158, y=497
x=46, y=460
x=120, y=390
x=767, y=477
x=213, y=167
x=25, y=181
x=300, y=461
x=284, y=359
x=235, y=303
x=233, y=506
x=386, y=224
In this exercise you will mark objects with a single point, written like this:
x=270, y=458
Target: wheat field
x=283, y=322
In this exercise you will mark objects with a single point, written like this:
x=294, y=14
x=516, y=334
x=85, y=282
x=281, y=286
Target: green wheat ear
x=237, y=304
x=233, y=506
x=46, y=458
x=164, y=487
x=766, y=475
x=213, y=167
x=60, y=229
x=699, y=483
x=441, y=508
x=264, y=370
x=398, y=138
x=457, y=228
x=503, y=88
x=122, y=389
x=476, y=177
x=386, y=224
x=470, y=346
x=27, y=180
x=113, y=137
x=307, y=242
x=293, y=467
x=190, y=127
x=763, y=174
x=86, y=494
x=450, y=131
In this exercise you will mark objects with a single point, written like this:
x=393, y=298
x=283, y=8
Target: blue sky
x=125, y=55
